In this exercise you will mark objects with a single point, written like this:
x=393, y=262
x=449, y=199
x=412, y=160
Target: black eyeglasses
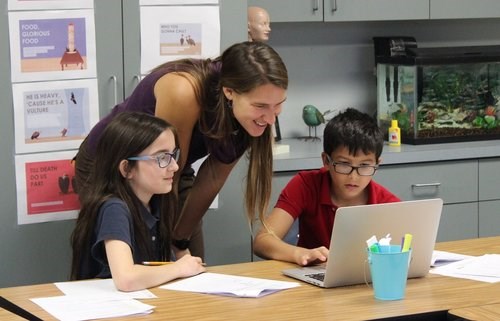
x=163, y=159
x=346, y=169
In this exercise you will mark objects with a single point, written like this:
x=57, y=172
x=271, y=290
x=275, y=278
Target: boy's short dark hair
x=355, y=130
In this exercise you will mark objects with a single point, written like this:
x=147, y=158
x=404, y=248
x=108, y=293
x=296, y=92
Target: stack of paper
x=484, y=268
x=94, y=299
x=440, y=258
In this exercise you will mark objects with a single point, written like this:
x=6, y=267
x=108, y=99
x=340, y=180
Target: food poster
x=52, y=45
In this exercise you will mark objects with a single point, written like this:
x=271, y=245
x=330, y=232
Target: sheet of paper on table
x=229, y=285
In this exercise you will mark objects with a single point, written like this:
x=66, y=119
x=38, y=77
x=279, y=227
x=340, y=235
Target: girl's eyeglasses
x=164, y=159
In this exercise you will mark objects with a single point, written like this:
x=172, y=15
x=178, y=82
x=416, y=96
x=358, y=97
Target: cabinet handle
x=115, y=90
x=334, y=6
x=316, y=6
x=137, y=79
x=425, y=185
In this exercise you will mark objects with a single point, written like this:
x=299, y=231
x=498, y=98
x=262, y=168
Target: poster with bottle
x=52, y=45
x=46, y=187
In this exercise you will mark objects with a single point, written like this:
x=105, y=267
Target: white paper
x=440, y=258
x=98, y=288
x=229, y=285
x=76, y=308
x=483, y=268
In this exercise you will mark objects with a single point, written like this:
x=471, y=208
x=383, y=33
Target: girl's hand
x=189, y=265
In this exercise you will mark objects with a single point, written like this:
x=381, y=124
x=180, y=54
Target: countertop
x=304, y=155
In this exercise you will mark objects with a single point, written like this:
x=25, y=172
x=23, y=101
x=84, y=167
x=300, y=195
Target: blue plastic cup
x=389, y=271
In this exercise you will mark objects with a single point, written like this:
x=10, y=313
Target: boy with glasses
x=352, y=145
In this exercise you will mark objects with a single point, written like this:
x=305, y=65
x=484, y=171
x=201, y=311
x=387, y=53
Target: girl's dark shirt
x=114, y=222
x=143, y=99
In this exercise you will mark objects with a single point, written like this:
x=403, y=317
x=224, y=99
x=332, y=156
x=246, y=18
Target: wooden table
x=430, y=294
x=489, y=312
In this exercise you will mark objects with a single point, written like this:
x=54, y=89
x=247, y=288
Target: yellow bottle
x=394, y=134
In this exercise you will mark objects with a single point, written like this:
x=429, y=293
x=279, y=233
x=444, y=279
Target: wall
x=331, y=64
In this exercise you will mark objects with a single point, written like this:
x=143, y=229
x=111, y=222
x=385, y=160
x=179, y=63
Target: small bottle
x=394, y=134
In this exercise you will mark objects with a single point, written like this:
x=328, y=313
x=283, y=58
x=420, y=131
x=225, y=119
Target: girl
x=126, y=214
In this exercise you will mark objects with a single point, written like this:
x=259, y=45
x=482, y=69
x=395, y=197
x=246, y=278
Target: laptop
x=347, y=261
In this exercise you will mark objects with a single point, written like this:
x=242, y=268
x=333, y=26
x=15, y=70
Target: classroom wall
x=331, y=65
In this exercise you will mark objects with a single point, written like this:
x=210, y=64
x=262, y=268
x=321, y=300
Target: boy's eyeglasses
x=346, y=169
x=164, y=159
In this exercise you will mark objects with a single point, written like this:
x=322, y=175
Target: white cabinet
x=460, y=9
x=372, y=10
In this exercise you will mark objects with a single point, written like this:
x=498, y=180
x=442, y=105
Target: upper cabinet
x=376, y=10
x=343, y=10
x=459, y=9
x=371, y=10
x=291, y=10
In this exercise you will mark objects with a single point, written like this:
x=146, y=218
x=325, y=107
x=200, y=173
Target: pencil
x=156, y=263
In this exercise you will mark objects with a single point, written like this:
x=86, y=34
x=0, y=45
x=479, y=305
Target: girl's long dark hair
x=128, y=134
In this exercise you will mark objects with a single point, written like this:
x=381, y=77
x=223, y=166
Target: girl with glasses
x=126, y=215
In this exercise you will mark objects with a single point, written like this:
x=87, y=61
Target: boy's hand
x=305, y=257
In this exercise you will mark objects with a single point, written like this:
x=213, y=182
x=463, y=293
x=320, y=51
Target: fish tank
x=438, y=95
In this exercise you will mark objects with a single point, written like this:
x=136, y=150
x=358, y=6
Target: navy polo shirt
x=114, y=222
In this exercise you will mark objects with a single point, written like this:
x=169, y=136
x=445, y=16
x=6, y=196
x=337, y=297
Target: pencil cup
x=389, y=271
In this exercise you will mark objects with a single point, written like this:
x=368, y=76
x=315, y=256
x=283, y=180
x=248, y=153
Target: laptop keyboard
x=317, y=276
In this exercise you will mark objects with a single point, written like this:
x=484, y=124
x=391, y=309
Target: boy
x=352, y=145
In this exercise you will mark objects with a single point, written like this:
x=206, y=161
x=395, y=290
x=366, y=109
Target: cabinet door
x=458, y=222
x=489, y=179
x=371, y=10
x=458, y=9
x=291, y=10
x=454, y=182
x=489, y=218
x=109, y=48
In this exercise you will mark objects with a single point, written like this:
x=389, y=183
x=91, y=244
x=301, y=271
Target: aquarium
x=440, y=95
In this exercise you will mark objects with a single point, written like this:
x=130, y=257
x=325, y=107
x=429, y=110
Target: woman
x=220, y=108
x=125, y=218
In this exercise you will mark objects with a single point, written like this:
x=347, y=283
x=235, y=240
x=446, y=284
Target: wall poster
x=46, y=189
x=54, y=115
x=52, y=45
x=173, y=32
